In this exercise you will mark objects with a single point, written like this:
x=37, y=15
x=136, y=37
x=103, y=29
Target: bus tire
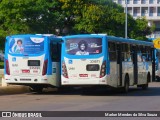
x=157, y=79
x=125, y=89
x=144, y=87
x=36, y=89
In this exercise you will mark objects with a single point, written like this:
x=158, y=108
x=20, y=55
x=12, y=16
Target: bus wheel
x=157, y=79
x=37, y=89
x=145, y=86
x=125, y=89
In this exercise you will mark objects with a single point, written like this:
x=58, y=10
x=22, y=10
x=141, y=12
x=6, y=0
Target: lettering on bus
x=93, y=75
x=73, y=76
x=14, y=65
x=35, y=71
x=34, y=67
x=94, y=61
x=83, y=75
x=71, y=68
x=15, y=71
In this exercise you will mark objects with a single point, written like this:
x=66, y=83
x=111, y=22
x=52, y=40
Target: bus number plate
x=34, y=67
x=94, y=61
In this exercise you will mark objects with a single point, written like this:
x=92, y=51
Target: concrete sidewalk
x=13, y=89
x=1, y=71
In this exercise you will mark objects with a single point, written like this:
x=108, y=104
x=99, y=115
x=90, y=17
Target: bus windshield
x=26, y=45
x=84, y=46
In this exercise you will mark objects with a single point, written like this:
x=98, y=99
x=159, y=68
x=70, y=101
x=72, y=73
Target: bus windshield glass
x=26, y=45
x=84, y=46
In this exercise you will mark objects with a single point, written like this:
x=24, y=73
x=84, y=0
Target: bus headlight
x=45, y=64
x=103, y=69
x=7, y=67
x=64, y=70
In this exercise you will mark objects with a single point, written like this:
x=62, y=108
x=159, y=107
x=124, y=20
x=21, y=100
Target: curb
x=14, y=89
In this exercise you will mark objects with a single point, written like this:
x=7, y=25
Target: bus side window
x=112, y=51
x=126, y=56
x=149, y=53
x=55, y=52
x=144, y=53
x=139, y=53
x=131, y=52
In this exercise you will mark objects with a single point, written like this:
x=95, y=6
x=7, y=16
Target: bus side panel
x=144, y=69
x=153, y=64
x=5, y=56
x=128, y=69
x=54, y=79
x=113, y=81
x=142, y=73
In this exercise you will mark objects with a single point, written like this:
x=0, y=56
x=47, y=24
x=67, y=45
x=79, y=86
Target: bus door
x=135, y=64
x=119, y=63
x=56, y=60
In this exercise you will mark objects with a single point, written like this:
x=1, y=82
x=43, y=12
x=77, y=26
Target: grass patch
x=1, y=65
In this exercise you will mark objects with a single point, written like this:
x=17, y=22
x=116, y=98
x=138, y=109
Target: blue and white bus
x=33, y=60
x=97, y=59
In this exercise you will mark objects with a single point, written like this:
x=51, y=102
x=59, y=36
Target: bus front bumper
x=91, y=81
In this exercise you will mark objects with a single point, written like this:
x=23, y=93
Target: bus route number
x=94, y=61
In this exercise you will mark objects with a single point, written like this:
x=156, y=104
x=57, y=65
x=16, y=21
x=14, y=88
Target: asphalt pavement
x=95, y=100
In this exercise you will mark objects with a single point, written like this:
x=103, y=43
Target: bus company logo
x=93, y=45
x=6, y=114
x=73, y=46
x=37, y=40
x=83, y=75
x=25, y=71
x=70, y=61
x=21, y=114
x=14, y=59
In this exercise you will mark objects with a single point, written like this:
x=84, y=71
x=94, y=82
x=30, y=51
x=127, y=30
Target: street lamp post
x=126, y=20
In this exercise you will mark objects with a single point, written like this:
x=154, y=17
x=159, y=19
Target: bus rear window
x=84, y=46
x=26, y=45
x=33, y=62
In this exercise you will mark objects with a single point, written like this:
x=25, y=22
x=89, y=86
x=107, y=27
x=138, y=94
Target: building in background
x=148, y=8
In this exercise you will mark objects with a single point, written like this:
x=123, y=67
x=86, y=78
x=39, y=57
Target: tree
x=101, y=18
x=27, y=16
x=69, y=11
x=68, y=16
x=141, y=29
x=90, y=21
